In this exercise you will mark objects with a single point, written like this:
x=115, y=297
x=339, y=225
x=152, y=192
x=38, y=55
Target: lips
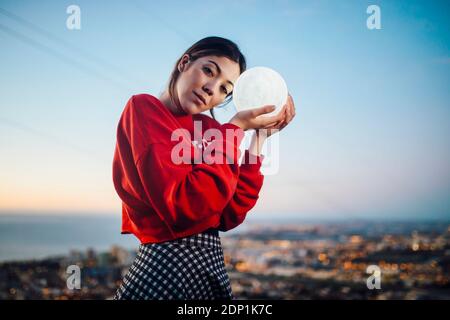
x=200, y=97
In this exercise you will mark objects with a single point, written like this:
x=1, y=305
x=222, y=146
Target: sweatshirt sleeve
x=247, y=192
x=184, y=195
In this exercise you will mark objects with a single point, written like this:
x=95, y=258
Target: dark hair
x=210, y=46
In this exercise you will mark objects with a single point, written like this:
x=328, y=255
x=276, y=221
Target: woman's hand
x=250, y=119
x=260, y=135
x=288, y=112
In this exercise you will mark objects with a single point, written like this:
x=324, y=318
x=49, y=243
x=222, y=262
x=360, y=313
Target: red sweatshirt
x=162, y=200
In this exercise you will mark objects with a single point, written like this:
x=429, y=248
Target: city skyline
x=305, y=261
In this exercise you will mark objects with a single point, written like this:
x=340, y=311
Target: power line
x=89, y=56
x=69, y=61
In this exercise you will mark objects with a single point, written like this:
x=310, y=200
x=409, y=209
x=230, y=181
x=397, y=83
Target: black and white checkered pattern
x=186, y=268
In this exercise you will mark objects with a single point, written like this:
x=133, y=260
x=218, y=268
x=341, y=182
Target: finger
x=280, y=116
x=287, y=114
x=278, y=125
x=281, y=125
x=291, y=100
x=291, y=114
x=292, y=105
x=263, y=110
x=269, y=121
x=266, y=120
x=271, y=125
x=287, y=120
x=288, y=111
x=291, y=111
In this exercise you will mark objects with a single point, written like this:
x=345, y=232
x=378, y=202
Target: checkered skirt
x=190, y=268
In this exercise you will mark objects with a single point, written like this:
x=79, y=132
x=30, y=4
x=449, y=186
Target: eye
x=224, y=90
x=208, y=70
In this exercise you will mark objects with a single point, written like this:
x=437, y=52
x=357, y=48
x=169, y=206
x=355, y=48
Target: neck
x=167, y=101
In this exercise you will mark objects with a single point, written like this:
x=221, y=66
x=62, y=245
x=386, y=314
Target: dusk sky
x=371, y=138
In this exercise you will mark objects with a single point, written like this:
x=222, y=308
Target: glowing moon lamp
x=260, y=86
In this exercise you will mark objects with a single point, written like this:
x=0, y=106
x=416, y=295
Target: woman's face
x=205, y=82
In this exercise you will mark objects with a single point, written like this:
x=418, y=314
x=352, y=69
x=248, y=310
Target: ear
x=183, y=62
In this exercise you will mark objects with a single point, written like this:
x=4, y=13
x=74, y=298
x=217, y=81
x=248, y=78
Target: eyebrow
x=220, y=71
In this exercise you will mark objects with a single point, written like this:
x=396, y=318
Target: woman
x=176, y=208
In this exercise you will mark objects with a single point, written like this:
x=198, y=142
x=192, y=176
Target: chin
x=191, y=108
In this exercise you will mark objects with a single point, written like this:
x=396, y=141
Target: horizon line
x=252, y=216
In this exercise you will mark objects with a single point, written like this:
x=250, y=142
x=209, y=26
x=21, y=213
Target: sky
x=371, y=138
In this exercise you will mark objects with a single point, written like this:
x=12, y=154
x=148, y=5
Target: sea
x=33, y=237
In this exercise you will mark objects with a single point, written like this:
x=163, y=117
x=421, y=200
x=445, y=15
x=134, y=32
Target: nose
x=207, y=90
